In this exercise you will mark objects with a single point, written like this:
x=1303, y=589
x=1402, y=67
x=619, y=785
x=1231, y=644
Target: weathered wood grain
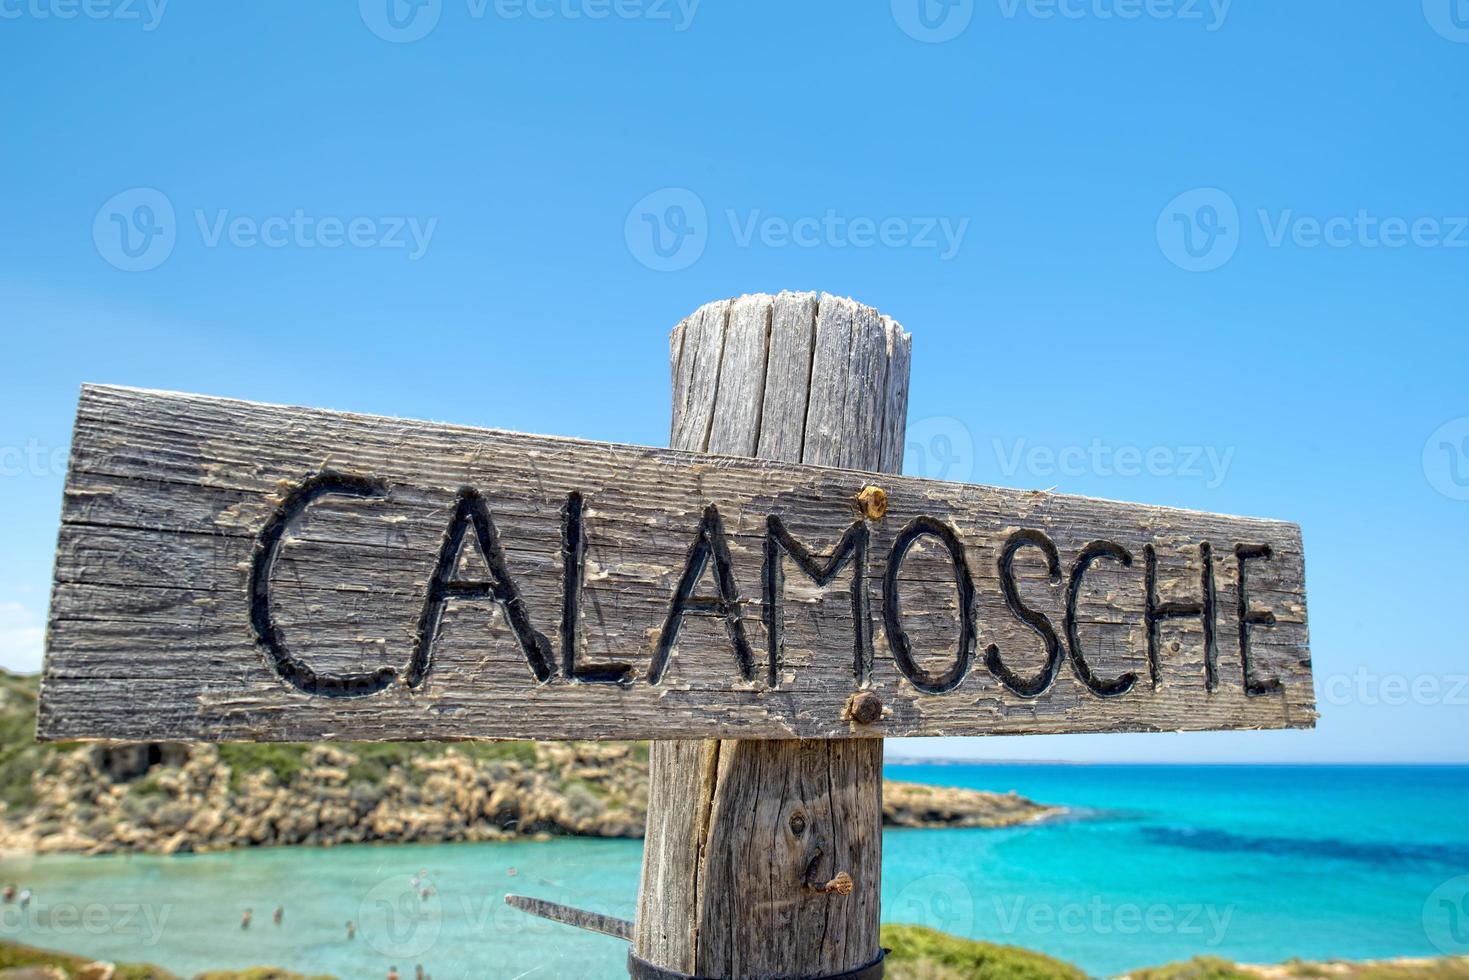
x=743, y=833
x=569, y=915
x=168, y=494
x=787, y=376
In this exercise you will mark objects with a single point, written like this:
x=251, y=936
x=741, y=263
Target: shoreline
x=10, y=852
x=170, y=798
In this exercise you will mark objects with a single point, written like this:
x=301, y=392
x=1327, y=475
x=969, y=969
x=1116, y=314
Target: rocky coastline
x=162, y=797
x=195, y=798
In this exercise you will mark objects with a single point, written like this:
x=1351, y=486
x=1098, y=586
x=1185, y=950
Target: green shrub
x=919, y=953
x=16, y=955
x=282, y=758
x=147, y=786
x=1199, y=968
x=20, y=754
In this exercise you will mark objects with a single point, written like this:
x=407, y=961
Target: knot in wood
x=873, y=503
x=864, y=708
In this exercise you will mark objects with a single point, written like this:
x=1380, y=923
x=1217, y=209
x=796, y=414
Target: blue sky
x=1208, y=255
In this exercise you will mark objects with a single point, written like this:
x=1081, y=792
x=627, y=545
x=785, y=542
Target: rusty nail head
x=840, y=885
x=873, y=502
x=864, y=708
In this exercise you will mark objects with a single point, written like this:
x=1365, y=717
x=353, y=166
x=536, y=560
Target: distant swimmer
x=9, y=893
x=418, y=972
x=392, y=973
x=351, y=929
x=511, y=872
x=25, y=897
x=245, y=919
x=280, y=911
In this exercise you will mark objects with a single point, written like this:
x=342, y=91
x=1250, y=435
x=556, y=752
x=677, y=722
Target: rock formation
x=100, y=799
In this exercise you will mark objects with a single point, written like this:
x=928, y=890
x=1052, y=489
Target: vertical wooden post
x=747, y=838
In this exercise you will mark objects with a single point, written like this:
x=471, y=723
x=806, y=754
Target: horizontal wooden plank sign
x=235, y=571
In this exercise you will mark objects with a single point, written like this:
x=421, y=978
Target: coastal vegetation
x=1213, y=968
x=186, y=797
x=19, y=962
x=917, y=953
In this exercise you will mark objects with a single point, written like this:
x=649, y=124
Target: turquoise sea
x=1154, y=863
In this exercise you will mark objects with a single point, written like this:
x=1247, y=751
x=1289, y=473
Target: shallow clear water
x=1158, y=863
x=1258, y=864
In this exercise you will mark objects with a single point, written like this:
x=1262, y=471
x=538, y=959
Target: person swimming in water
x=280, y=912
x=392, y=973
x=245, y=919
x=351, y=929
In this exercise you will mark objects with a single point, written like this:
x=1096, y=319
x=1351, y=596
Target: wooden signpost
x=236, y=571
